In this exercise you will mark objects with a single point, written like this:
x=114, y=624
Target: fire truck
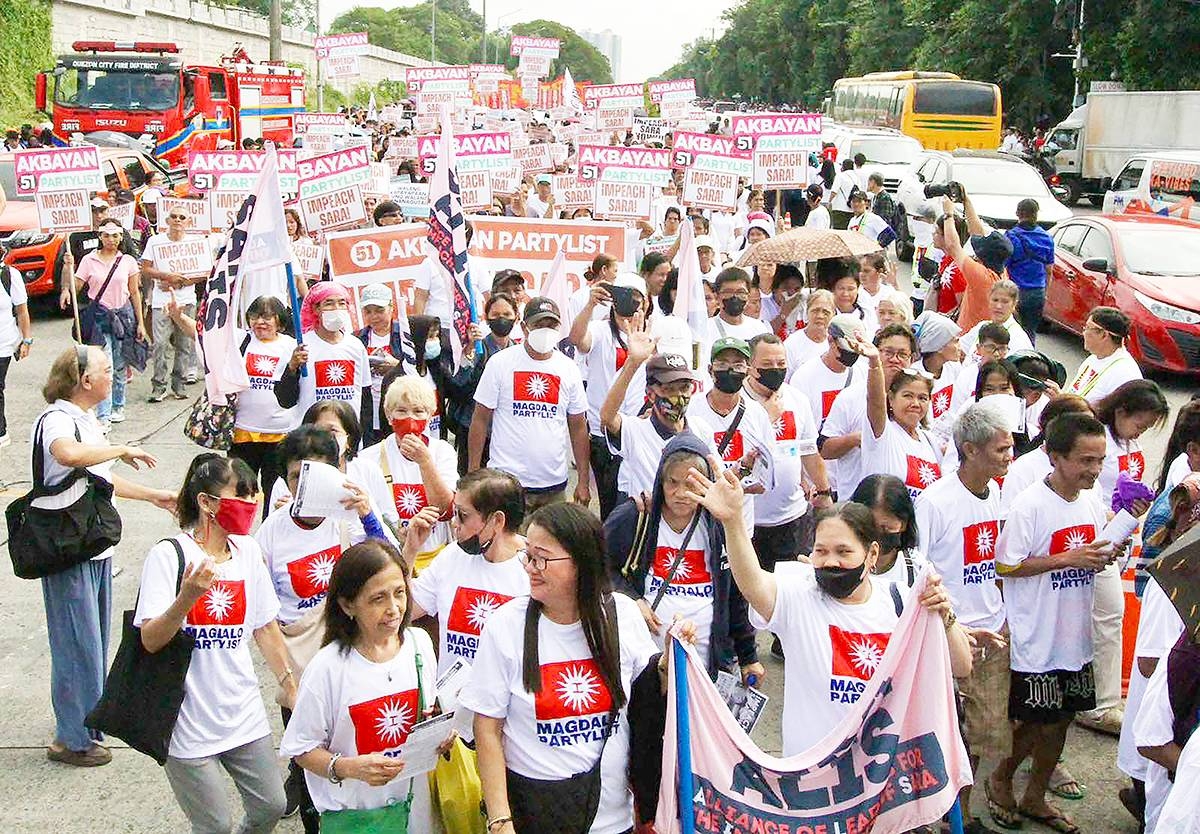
x=146, y=91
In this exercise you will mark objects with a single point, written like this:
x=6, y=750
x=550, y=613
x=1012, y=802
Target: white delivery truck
x=1092, y=144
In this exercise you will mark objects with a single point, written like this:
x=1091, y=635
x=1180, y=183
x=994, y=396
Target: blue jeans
x=112, y=349
x=1030, y=304
x=78, y=610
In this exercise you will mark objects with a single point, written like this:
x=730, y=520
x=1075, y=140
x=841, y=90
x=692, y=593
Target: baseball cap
x=100, y=203
x=541, y=308
x=375, y=295
x=706, y=240
x=992, y=250
x=664, y=368
x=763, y=224
x=633, y=281
x=542, y=179
x=730, y=343
x=847, y=326
x=814, y=191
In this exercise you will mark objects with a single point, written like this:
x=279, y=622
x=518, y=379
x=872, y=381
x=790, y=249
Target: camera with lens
x=951, y=189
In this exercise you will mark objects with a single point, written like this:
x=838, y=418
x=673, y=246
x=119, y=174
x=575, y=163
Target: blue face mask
x=433, y=350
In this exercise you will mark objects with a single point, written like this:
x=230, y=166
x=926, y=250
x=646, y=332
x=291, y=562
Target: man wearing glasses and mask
x=168, y=285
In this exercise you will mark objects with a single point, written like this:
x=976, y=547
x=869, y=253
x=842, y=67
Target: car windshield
x=887, y=151
x=1162, y=251
x=117, y=90
x=8, y=179
x=1001, y=178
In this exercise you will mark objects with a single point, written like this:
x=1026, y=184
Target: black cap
x=540, y=308
x=814, y=191
x=665, y=368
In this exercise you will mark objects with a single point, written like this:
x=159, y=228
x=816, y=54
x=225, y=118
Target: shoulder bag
x=144, y=691
x=564, y=806
x=94, y=312
x=211, y=424
x=43, y=542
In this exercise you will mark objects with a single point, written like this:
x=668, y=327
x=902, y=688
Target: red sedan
x=1146, y=265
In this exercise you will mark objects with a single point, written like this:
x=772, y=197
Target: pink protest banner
x=335, y=171
x=237, y=171
x=613, y=96
x=680, y=89
x=598, y=163
x=896, y=761
x=58, y=169
x=527, y=45
x=304, y=123
x=417, y=77
x=344, y=44
x=687, y=147
x=782, y=145
x=473, y=151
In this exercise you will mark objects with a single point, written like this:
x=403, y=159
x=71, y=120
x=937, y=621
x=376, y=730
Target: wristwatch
x=28, y=341
x=826, y=491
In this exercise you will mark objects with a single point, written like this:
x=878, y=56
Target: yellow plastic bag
x=457, y=791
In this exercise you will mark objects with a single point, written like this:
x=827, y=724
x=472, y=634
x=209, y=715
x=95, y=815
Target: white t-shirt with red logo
x=300, y=559
x=335, y=372
x=222, y=706
x=353, y=706
x=800, y=349
x=560, y=731
x=1049, y=615
x=941, y=399
x=753, y=432
x=462, y=591
x=1119, y=456
x=399, y=488
x=847, y=416
x=603, y=362
x=832, y=647
x=530, y=400
x=820, y=386
x=916, y=461
x=690, y=592
x=257, y=408
x=958, y=531
x=795, y=437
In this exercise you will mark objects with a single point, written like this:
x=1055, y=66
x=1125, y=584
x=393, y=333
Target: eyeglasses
x=539, y=562
x=892, y=353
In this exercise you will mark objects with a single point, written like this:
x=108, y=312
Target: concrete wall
x=205, y=33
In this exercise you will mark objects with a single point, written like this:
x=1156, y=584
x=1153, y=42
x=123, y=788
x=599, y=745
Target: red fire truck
x=144, y=89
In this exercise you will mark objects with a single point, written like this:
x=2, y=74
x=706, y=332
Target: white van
x=1156, y=181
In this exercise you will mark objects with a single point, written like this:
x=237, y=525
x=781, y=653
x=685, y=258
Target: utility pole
x=432, y=31
x=276, y=33
x=320, y=64
x=483, y=36
x=1080, y=60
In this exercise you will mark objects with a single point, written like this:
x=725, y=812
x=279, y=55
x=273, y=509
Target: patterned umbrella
x=805, y=244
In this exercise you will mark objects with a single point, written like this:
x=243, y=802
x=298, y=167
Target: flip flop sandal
x=1056, y=820
x=1003, y=816
x=1060, y=786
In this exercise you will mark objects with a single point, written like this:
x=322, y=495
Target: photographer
x=991, y=250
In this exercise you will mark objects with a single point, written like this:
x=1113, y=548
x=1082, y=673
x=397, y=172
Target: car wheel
x=1096, y=200
x=1073, y=191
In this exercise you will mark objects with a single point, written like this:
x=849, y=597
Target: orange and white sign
x=529, y=245
x=393, y=255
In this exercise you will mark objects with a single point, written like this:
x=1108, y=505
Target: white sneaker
x=117, y=415
x=4, y=440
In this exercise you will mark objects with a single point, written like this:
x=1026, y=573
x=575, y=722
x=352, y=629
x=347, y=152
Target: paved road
x=131, y=794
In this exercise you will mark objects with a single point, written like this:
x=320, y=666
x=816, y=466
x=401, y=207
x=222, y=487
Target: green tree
x=298, y=13
x=586, y=62
x=407, y=29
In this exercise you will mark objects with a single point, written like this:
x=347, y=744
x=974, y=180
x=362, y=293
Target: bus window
x=135, y=174
x=954, y=99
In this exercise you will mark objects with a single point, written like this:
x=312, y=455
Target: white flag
x=372, y=112
x=570, y=95
x=557, y=287
x=689, y=293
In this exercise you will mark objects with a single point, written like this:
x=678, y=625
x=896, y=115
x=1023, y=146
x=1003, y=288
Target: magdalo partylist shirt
x=1119, y=456
x=462, y=591
x=755, y=431
x=690, y=591
x=847, y=416
x=222, y=705
x=335, y=372
x=394, y=482
x=795, y=437
x=354, y=706
x=560, y=731
x=833, y=649
x=914, y=460
x=1049, y=615
x=603, y=362
x=257, y=408
x=530, y=400
x=959, y=531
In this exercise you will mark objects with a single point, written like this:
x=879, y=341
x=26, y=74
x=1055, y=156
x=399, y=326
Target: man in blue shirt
x=1029, y=265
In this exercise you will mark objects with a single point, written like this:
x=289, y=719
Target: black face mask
x=733, y=306
x=839, y=583
x=623, y=301
x=728, y=382
x=890, y=542
x=501, y=327
x=771, y=378
x=847, y=357
x=473, y=546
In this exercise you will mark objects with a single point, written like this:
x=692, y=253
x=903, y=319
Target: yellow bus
x=939, y=109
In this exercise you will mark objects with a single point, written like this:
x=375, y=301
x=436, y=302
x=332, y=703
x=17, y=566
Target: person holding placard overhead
x=167, y=285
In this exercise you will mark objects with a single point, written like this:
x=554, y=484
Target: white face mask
x=335, y=320
x=543, y=339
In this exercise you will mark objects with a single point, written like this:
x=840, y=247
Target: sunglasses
x=177, y=217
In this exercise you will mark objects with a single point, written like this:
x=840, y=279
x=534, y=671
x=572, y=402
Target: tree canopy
x=793, y=50
x=586, y=62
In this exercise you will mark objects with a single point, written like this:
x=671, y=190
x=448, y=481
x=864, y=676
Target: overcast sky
x=653, y=32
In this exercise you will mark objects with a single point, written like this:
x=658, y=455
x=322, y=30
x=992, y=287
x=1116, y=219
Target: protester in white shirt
x=867, y=222
x=540, y=203
x=893, y=307
x=937, y=341
x=389, y=345
x=1182, y=456
x=900, y=560
x=875, y=279
x=992, y=346
x=1048, y=554
x=211, y=582
x=832, y=614
x=1002, y=304
x=165, y=332
x=479, y=570
x=782, y=303
x=818, y=214
x=605, y=346
x=732, y=287
x=586, y=639
x=530, y=402
x=16, y=333
x=813, y=338
x=844, y=184
x=1108, y=363
x=335, y=362
x=844, y=282
x=1154, y=733
x=1034, y=464
x=363, y=693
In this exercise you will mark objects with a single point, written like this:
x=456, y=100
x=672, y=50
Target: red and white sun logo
x=471, y=608
x=571, y=688
x=941, y=401
x=224, y=603
x=481, y=609
x=393, y=721
x=979, y=542
x=855, y=654
x=310, y=574
x=785, y=426
x=383, y=723
x=692, y=569
x=921, y=473
x=1133, y=464
x=1071, y=538
x=534, y=386
x=260, y=364
x=334, y=372
x=410, y=499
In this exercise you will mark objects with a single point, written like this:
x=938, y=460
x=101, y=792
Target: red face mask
x=410, y=425
x=236, y=515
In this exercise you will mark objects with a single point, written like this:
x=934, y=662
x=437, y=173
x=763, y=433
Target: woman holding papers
x=361, y=697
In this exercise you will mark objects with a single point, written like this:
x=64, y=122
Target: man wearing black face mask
x=726, y=410
x=783, y=518
x=732, y=287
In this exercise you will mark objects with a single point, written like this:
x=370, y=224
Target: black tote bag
x=144, y=691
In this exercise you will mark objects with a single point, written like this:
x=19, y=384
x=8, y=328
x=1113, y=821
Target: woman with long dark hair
x=550, y=686
x=371, y=682
x=887, y=498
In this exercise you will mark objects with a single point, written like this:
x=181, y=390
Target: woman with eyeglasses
x=895, y=440
x=78, y=600
x=211, y=582
x=1108, y=364
x=551, y=684
x=112, y=279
